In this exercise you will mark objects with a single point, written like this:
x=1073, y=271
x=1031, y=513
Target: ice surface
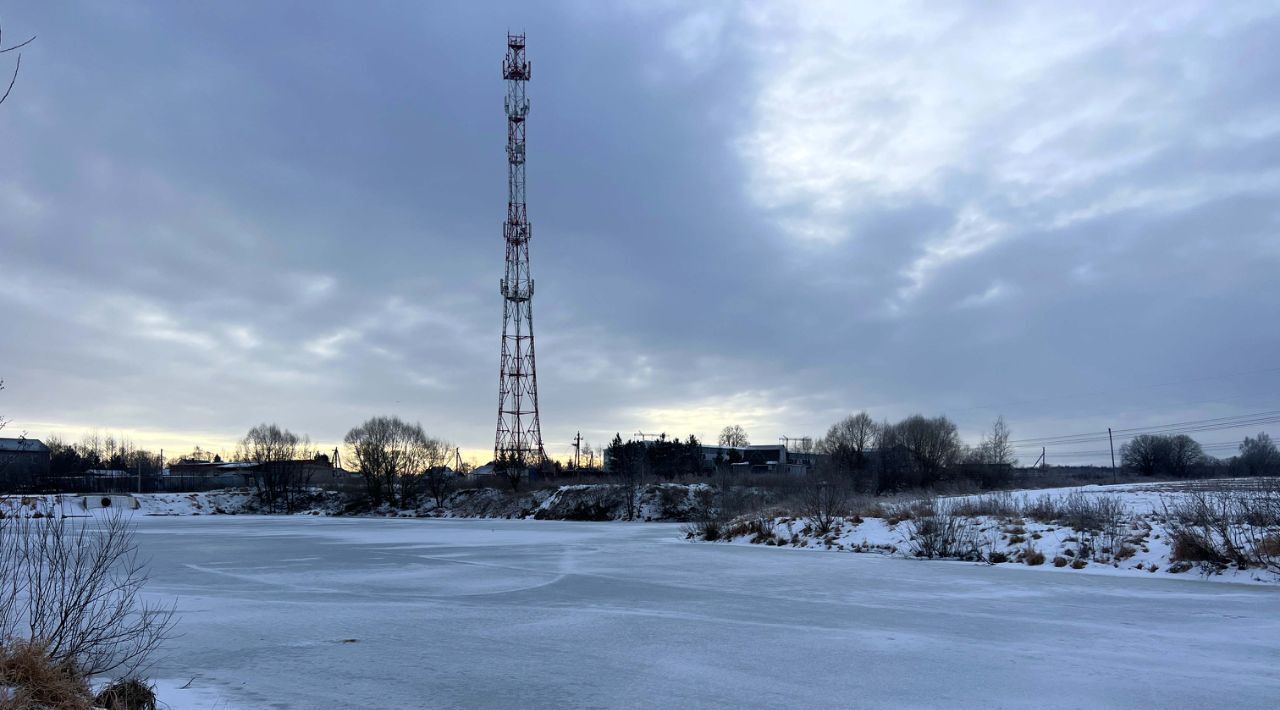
x=300, y=612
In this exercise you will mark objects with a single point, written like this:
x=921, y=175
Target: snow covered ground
x=1138, y=544
x=303, y=612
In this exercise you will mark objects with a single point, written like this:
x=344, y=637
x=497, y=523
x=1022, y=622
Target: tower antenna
x=518, y=443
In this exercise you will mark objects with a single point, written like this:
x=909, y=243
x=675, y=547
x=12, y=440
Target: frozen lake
x=292, y=612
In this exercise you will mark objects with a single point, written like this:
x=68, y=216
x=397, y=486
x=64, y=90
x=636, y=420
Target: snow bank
x=225, y=502
x=669, y=502
x=1139, y=542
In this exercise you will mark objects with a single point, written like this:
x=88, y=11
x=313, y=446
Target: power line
x=1222, y=446
x=1197, y=425
x=1042, y=400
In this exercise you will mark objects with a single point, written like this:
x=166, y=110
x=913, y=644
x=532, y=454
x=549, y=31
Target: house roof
x=23, y=445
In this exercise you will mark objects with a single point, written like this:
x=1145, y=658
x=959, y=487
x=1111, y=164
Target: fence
x=136, y=484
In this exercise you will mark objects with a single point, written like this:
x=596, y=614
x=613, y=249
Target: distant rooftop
x=23, y=445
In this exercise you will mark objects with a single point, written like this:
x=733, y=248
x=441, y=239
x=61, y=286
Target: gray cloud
x=213, y=216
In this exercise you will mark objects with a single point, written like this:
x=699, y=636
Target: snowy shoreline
x=1142, y=539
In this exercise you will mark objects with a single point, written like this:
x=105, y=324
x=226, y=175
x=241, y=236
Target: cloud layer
x=751, y=213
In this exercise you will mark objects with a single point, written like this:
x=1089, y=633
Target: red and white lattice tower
x=519, y=438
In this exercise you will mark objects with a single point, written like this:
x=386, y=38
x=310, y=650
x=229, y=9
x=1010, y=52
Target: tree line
x=1180, y=456
x=100, y=452
x=399, y=464
x=661, y=458
x=915, y=452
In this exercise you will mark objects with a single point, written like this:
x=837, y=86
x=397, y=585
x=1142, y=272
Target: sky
x=219, y=214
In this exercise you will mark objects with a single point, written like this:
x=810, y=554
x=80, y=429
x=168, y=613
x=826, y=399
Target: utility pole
x=1112, y=441
x=577, y=447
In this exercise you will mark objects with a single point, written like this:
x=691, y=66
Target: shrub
x=1059, y=561
x=1032, y=556
x=822, y=503
x=1000, y=504
x=1226, y=527
x=941, y=534
x=996, y=557
x=75, y=588
x=127, y=694
x=759, y=526
x=709, y=529
x=1042, y=510
x=1078, y=563
x=1090, y=513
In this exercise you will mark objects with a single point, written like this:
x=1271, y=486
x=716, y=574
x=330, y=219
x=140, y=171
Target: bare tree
x=632, y=479
x=995, y=448
x=282, y=459
x=438, y=478
x=934, y=444
x=392, y=455
x=733, y=435
x=856, y=433
x=17, y=66
x=1150, y=454
x=846, y=445
x=1258, y=454
x=1185, y=453
x=74, y=588
x=1145, y=453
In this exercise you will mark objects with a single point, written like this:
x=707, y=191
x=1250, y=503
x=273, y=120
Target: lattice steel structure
x=519, y=437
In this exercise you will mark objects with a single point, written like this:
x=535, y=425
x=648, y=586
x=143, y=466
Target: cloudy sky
x=217, y=214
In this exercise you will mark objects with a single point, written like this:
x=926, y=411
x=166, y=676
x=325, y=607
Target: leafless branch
x=18, y=46
x=75, y=588
x=17, y=66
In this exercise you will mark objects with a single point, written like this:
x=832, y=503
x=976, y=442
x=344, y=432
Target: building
x=759, y=458
x=22, y=462
x=317, y=471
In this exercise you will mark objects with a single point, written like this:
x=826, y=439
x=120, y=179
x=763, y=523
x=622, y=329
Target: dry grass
x=1192, y=547
x=39, y=682
x=1032, y=557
